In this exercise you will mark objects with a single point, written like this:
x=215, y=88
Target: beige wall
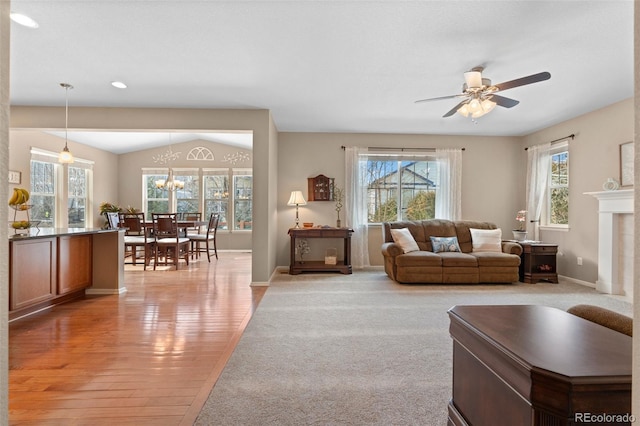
x=593, y=157
x=491, y=187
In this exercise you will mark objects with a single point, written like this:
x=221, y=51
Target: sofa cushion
x=464, y=235
x=452, y=259
x=444, y=244
x=405, y=240
x=488, y=258
x=419, y=258
x=486, y=240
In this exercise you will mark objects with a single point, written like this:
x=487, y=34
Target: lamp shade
x=296, y=199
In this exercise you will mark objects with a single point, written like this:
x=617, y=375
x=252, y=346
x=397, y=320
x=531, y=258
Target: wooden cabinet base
x=318, y=266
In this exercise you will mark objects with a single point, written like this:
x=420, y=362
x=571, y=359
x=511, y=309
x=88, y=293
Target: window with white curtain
x=401, y=187
x=557, y=209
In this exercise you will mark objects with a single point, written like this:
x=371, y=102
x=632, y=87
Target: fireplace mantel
x=611, y=204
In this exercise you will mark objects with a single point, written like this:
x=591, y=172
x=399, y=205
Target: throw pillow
x=441, y=244
x=486, y=239
x=404, y=239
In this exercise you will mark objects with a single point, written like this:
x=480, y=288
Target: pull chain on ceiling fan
x=480, y=95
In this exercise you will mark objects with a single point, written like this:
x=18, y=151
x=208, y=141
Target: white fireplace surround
x=611, y=204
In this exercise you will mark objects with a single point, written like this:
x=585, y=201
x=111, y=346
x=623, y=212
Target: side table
x=343, y=266
x=538, y=262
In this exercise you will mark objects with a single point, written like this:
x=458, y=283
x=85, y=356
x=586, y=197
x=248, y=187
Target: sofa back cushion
x=464, y=235
x=422, y=230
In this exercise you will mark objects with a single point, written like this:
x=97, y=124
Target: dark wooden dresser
x=536, y=365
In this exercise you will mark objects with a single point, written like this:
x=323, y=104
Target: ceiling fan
x=480, y=95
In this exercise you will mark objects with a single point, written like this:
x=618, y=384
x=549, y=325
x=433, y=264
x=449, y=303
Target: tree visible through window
x=559, y=189
x=401, y=189
x=43, y=193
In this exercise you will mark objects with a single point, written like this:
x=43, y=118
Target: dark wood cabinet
x=343, y=266
x=538, y=262
x=535, y=365
x=320, y=188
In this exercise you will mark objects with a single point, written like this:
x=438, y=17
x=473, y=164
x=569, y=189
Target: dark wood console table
x=343, y=266
x=535, y=365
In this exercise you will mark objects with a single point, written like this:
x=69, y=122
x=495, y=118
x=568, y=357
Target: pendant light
x=65, y=156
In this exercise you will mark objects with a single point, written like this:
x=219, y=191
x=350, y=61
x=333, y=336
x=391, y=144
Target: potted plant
x=520, y=234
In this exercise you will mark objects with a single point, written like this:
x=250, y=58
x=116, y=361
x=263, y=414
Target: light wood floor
x=147, y=357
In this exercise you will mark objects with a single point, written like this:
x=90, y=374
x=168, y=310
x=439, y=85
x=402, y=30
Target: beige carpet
x=330, y=349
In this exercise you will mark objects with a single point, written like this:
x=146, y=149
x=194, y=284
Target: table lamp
x=297, y=199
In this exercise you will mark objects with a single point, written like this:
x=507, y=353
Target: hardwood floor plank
x=149, y=356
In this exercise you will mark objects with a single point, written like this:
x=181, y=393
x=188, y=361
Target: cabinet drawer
x=544, y=249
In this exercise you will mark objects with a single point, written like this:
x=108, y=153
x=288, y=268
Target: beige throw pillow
x=486, y=239
x=404, y=239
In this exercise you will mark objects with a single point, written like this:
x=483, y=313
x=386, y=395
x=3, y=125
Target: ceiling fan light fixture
x=476, y=107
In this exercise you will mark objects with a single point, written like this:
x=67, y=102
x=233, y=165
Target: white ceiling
x=326, y=66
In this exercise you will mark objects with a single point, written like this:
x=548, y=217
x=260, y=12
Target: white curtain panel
x=449, y=192
x=356, y=204
x=538, y=163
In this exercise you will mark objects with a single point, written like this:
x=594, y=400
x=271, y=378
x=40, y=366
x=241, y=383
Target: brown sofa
x=466, y=266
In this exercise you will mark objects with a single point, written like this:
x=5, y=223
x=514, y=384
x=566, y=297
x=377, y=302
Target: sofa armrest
x=391, y=250
x=511, y=247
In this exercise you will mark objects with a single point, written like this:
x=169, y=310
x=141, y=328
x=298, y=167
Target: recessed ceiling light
x=21, y=19
x=119, y=84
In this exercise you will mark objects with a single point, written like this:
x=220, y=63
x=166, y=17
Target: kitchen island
x=50, y=266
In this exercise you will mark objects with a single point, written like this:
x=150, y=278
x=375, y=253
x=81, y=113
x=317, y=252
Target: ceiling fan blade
x=455, y=109
x=440, y=98
x=504, y=102
x=534, y=78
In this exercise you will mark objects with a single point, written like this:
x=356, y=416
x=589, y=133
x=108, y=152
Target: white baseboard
x=577, y=281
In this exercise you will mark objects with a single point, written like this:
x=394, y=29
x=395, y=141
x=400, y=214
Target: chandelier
x=170, y=183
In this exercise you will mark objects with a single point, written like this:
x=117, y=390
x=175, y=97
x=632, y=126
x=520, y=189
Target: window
x=216, y=194
x=242, y=200
x=188, y=198
x=77, y=197
x=558, y=194
x=401, y=188
x=43, y=193
x=55, y=188
x=155, y=200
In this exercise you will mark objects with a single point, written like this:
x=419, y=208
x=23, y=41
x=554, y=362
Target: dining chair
x=169, y=243
x=208, y=238
x=136, y=236
x=191, y=216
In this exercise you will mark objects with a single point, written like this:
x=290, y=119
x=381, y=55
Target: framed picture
x=626, y=164
x=15, y=177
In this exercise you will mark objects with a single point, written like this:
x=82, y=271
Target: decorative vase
x=519, y=235
x=611, y=185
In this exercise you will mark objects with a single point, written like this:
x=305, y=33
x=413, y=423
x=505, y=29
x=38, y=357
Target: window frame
x=556, y=149
x=403, y=160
